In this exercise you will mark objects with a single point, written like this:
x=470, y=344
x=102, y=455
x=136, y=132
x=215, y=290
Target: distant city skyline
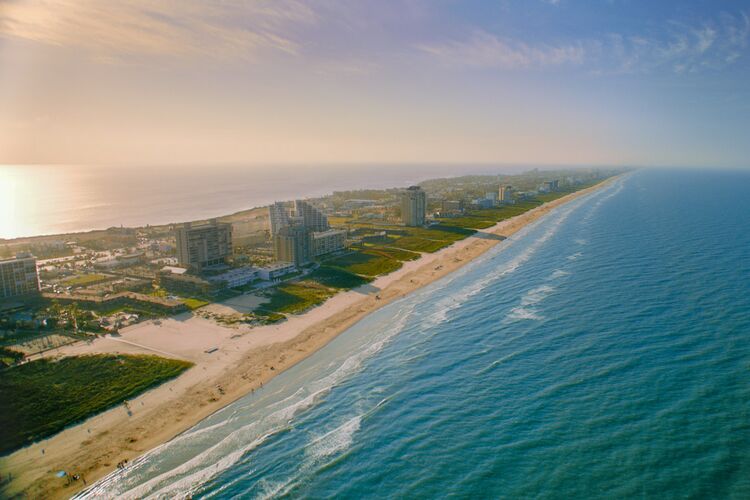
x=559, y=82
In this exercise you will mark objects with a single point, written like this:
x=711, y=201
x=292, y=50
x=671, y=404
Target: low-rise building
x=120, y=261
x=330, y=241
x=549, y=186
x=451, y=207
x=236, y=277
x=355, y=204
x=483, y=203
x=187, y=284
x=276, y=270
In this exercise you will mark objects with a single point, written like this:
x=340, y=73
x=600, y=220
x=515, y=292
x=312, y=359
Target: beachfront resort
x=101, y=329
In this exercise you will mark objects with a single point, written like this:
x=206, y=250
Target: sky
x=610, y=82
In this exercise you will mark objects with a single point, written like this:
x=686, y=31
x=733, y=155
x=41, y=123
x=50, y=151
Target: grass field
x=41, y=398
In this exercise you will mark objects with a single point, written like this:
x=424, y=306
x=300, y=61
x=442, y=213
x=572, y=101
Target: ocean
x=601, y=352
x=54, y=199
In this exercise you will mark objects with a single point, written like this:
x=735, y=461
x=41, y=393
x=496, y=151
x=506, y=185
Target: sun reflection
x=9, y=220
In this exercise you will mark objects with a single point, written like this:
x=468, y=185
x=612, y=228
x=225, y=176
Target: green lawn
x=41, y=398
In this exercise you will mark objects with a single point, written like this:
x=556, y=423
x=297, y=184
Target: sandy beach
x=244, y=359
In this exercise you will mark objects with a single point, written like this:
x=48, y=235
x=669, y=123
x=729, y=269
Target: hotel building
x=18, y=277
x=303, y=234
x=203, y=245
x=414, y=206
x=330, y=241
x=505, y=194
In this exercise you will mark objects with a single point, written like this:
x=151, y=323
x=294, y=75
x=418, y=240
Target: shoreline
x=246, y=360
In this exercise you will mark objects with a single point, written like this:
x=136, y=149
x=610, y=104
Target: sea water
x=54, y=199
x=601, y=352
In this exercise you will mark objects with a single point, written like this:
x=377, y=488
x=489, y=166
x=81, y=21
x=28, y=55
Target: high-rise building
x=203, y=245
x=303, y=235
x=293, y=244
x=304, y=214
x=505, y=194
x=18, y=276
x=414, y=206
x=279, y=216
x=312, y=218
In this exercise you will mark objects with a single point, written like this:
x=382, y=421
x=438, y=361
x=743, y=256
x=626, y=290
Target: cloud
x=110, y=30
x=678, y=48
x=485, y=50
x=682, y=48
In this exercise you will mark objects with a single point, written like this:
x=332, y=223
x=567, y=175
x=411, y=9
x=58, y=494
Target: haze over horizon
x=538, y=82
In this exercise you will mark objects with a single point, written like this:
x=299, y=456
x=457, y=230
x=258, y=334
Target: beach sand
x=246, y=358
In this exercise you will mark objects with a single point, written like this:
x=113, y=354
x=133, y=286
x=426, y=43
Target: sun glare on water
x=9, y=223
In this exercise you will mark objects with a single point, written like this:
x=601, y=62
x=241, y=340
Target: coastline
x=245, y=362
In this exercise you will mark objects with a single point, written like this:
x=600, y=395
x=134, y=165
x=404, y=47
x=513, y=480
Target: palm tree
x=73, y=313
x=56, y=311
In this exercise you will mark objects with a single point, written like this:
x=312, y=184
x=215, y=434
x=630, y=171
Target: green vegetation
x=420, y=244
x=194, y=303
x=262, y=318
x=419, y=239
x=294, y=298
x=392, y=253
x=438, y=232
x=9, y=356
x=337, y=278
x=366, y=262
x=477, y=222
x=84, y=279
x=488, y=217
x=16, y=336
x=41, y=398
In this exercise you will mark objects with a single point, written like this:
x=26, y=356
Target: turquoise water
x=602, y=352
